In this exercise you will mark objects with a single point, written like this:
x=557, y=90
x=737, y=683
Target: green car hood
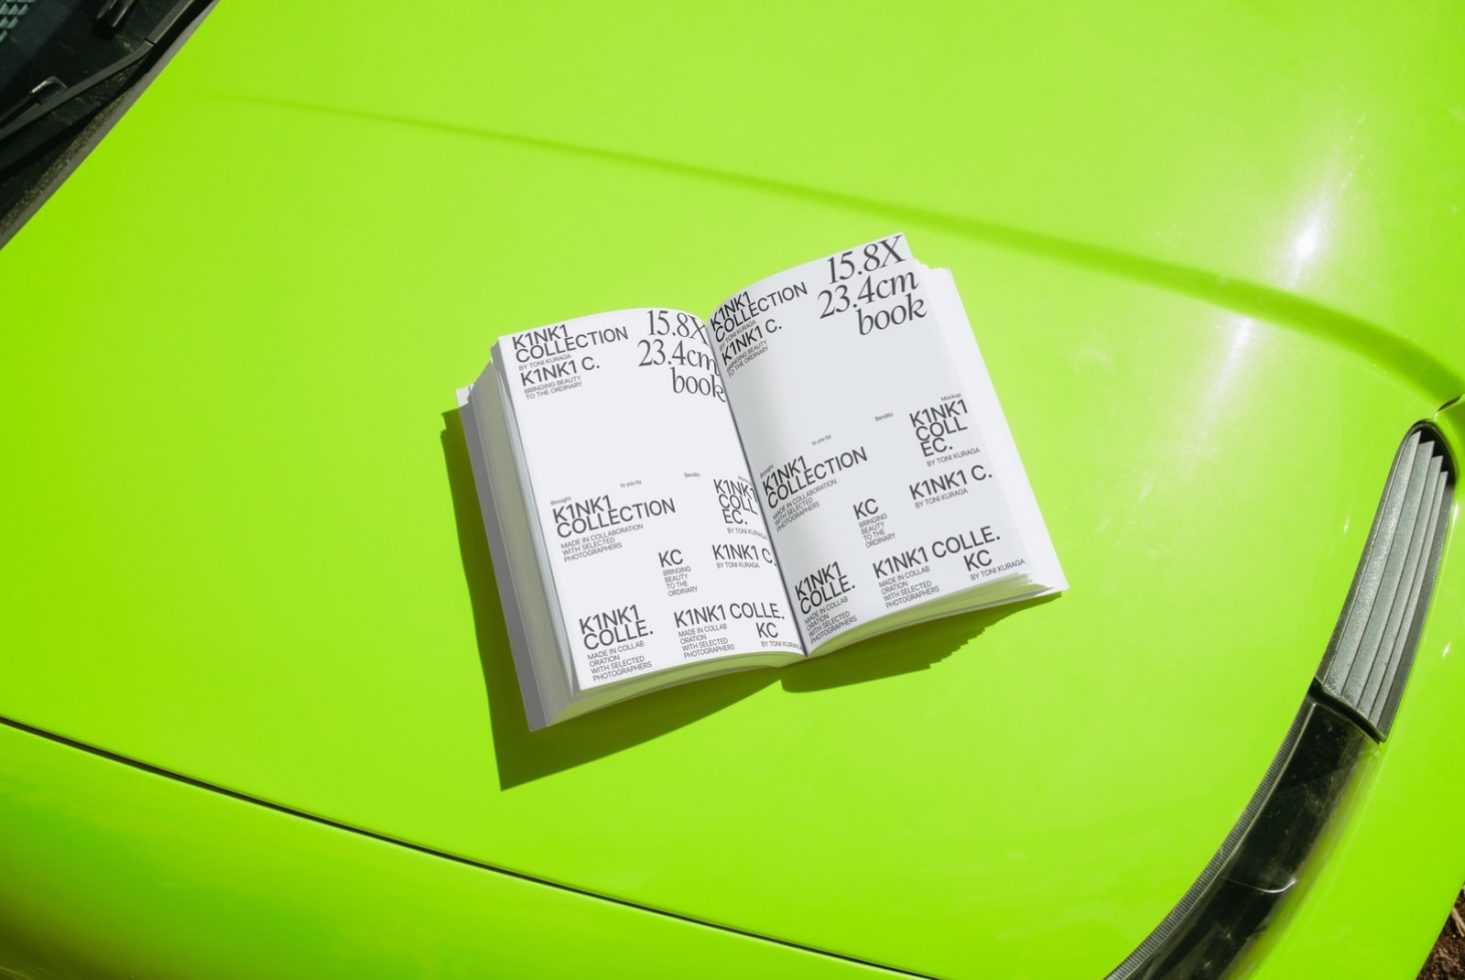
x=1213, y=269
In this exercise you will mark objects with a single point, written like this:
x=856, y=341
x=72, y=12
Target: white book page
x=657, y=548
x=1001, y=448
x=864, y=439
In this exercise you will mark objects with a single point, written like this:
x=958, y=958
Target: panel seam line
x=282, y=808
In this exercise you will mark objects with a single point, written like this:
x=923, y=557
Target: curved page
x=864, y=440
x=657, y=548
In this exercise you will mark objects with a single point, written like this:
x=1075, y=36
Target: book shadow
x=903, y=651
x=523, y=755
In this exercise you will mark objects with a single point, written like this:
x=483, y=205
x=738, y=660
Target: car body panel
x=245, y=548
x=111, y=870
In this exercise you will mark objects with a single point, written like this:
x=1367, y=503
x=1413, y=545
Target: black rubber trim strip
x=1265, y=855
x=434, y=852
x=1267, y=851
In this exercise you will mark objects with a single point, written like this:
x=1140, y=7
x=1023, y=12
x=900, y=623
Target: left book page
x=645, y=509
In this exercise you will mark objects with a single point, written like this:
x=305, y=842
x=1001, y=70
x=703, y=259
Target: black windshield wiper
x=68, y=69
x=130, y=47
x=44, y=89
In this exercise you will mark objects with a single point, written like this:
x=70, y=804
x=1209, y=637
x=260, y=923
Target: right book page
x=886, y=471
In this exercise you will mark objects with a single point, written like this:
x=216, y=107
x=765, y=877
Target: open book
x=821, y=460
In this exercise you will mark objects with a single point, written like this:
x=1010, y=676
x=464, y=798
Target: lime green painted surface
x=1212, y=268
x=110, y=871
